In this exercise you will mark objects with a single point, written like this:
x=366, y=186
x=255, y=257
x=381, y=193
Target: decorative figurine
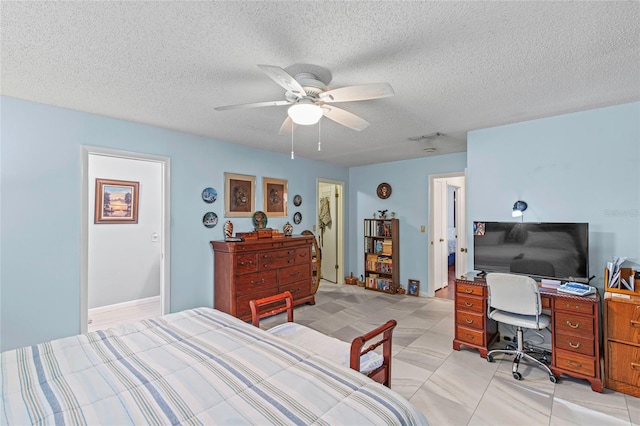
x=393, y=215
x=374, y=215
x=228, y=229
x=383, y=214
x=288, y=229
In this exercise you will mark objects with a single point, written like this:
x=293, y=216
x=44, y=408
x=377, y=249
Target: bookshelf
x=381, y=255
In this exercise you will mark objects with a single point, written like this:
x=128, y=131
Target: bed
x=198, y=366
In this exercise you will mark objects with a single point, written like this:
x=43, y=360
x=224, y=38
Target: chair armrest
x=257, y=304
x=386, y=330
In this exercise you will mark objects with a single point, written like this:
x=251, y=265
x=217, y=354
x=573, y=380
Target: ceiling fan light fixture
x=305, y=113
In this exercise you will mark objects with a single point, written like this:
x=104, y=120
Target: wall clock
x=384, y=190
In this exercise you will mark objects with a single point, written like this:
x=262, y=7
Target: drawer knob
x=468, y=321
x=635, y=323
x=468, y=290
x=573, y=345
x=470, y=336
x=635, y=365
x=575, y=364
x=468, y=303
x=293, y=274
x=573, y=325
x=257, y=282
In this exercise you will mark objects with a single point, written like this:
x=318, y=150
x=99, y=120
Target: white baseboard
x=128, y=303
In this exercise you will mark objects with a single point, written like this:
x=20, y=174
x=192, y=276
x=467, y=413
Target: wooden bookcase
x=382, y=255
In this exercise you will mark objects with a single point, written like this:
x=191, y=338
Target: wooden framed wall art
x=116, y=201
x=413, y=288
x=275, y=197
x=239, y=195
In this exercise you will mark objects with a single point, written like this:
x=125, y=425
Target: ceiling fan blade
x=287, y=126
x=252, y=105
x=284, y=79
x=360, y=92
x=345, y=118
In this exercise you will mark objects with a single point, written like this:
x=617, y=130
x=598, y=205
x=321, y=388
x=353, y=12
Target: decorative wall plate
x=259, y=220
x=210, y=219
x=209, y=195
x=384, y=190
x=297, y=200
x=297, y=218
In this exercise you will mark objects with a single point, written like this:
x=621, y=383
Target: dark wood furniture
x=255, y=269
x=622, y=342
x=382, y=255
x=382, y=335
x=316, y=262
x=575, y=327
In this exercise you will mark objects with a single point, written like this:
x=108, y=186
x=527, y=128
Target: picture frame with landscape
x=116, y=201
x=275, y=196
x=239, y=195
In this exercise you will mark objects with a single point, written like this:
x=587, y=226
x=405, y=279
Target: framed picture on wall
x=116, y=201
x=413, y=287
x=239, y=195
x=275, y=197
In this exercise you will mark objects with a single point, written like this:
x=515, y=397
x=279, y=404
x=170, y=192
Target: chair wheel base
x=553, y=378
x=517, y=376
x=489, y=358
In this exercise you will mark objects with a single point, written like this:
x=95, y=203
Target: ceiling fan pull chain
x=292, y=128
x=319, y=138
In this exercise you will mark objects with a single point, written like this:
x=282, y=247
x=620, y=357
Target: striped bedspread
x=199, y=366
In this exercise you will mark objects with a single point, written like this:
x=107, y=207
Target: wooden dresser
x=622, y=343
x=574, y=328
x=255, y=269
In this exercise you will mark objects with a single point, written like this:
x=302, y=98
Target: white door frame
x=340, y=220
x=165, y=275
x=432, y=252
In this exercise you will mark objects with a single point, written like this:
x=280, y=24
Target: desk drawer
x=579, y=344
x=624, y=363
x=577, y=363
x=470, y=303
x=574, y=305
x=470, y=319
x=623, y=321
x=470, y=336
x=574, y=324
x=470, y=289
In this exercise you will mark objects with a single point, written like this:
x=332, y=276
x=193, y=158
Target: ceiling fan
x=309, y=99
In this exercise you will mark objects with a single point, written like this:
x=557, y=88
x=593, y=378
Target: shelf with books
x=381, y=252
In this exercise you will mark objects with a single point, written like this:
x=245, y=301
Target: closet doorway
x=447, y=243
x=330, y=230
x=124, y=266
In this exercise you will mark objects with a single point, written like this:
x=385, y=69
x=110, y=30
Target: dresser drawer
x=292, y=274
x=242, y=303
x=470, y=289
x=276, y=259
x=573, y=324
x=246, y=263
x=303, y=254
x=577, y=363
x=623, y=321
x=575, y=305
x=297, y=289
x=470, y=319
x=250, y=283
x=470, y=335
x=470, y=303
x=578, y=344
x=624, y=363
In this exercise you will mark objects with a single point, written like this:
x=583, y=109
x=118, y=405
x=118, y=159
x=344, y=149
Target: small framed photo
x=239, y=195
x=116, y=201
x=413, y=287
x=275, y=197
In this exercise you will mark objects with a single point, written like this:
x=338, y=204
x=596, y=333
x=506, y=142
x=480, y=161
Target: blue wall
x=40, y=198
x=581, y=167
x=409, y=180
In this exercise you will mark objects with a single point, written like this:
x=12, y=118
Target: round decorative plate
x=259, y=220
x=297, y=200
x=384, y=190
x=297, y=218
x=209, y=195
x=210, y=219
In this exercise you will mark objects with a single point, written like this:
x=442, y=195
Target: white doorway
x=447, y=229
x=329, y=229
x=125, y=266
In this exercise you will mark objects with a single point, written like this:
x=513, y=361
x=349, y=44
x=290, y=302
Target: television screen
x=541, y=250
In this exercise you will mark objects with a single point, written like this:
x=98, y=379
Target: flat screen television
x=541, y=250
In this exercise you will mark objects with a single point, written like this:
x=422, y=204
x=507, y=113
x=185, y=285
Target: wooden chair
x=354, y=355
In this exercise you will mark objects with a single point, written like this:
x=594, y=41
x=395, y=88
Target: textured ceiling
x=454, y=66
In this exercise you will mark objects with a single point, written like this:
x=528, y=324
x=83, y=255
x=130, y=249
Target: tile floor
x=458, y=387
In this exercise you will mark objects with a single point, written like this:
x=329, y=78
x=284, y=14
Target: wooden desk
x=575, y=328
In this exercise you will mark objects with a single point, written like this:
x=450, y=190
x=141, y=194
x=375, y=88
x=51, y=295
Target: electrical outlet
x=422, y=228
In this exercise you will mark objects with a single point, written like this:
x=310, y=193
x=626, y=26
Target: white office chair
x=515, y=300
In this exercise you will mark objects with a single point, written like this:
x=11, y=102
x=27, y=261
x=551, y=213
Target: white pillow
x=326, y=346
